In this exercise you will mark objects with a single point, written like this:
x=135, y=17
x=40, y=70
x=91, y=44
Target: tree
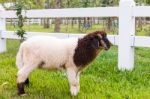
x=108, y=20
x=46, y=20
x=57, y=20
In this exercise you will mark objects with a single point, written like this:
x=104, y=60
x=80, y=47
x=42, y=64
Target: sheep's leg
x=78, y=80
x=22, y=78
x=27, y=82
x=73, y=78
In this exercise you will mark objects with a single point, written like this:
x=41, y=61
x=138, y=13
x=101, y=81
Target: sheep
x=46, y=52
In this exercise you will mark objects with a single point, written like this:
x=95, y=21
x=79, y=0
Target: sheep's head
x=99, y=40
x=89, y=47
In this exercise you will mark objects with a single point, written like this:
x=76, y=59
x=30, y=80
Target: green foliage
x=105, y=3
x=38, y=4
x=20, y=32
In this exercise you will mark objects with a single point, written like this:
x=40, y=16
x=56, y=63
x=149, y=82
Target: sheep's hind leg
x=21, y=87
x=22, y=78
x=27, y=82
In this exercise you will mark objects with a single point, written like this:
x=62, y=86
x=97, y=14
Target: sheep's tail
x=19, y=58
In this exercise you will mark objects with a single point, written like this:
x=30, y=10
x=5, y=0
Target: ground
x=101, y=80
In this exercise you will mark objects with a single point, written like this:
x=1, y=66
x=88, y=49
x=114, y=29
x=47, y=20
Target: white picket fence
x=126, y=40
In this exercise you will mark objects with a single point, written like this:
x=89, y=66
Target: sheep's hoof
x=74, y=91
x=24, y=94
x=21, y=93
x=20, y=89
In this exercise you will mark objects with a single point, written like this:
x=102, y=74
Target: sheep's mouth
x=105, y=44
x=106, y=48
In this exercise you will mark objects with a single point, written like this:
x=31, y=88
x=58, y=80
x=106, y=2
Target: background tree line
x=82, y=22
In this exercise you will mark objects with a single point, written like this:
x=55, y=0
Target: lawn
x=101, y=80
x=64, y=29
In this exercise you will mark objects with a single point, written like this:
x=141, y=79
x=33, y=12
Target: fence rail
x=12, y=35
x=125, y=40
x=140, y=11
x=70, y=12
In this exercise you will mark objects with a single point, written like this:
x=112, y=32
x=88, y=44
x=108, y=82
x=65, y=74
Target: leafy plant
x=20, y=32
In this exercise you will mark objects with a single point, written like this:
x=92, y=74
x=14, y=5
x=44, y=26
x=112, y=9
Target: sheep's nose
x=106, y=48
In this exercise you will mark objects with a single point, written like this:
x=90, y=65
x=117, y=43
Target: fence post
x=126, y=30
x=2, y=29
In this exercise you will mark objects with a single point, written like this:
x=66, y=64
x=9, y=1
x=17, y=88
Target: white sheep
x=47, y=52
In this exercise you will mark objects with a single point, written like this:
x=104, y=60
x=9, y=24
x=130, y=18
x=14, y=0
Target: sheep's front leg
x=73, y=78
x=78, y=80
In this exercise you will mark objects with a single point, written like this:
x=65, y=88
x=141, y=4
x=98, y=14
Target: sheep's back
x=52, y=51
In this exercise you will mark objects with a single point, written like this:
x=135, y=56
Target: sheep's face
x=99, y=40
x=104, y=42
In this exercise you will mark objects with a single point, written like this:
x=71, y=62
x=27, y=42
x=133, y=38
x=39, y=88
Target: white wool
x=52, y=51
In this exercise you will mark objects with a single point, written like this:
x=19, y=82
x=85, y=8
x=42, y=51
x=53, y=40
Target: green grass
x=101, y=80
x=38, y=28
x=144, y=31
x=64, y=28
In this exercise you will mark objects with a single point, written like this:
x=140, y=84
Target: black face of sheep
x=101, y=40
x=98, y=40
x=104, y=42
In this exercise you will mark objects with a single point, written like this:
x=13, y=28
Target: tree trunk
x=109, y=24
x=46, y=20
x=140, y=23
x=46, y=23
x=57, y=20
x=72, y=23
x=57, y=25
x=79, y=24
